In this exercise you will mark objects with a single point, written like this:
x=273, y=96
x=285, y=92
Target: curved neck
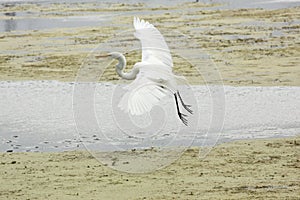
x=121, y=66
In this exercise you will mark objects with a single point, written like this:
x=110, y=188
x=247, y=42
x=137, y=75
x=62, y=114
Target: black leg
x=181, y=115
x=187, y=107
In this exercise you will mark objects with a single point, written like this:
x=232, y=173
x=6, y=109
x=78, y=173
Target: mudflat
x=248, y=46
x=254, y=169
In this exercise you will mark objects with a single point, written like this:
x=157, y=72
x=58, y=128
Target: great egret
x=153, y=77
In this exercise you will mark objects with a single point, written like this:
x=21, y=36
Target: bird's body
x=153, y=76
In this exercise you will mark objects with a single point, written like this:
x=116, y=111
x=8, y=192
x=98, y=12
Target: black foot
x=183, y=118
x=186, y=106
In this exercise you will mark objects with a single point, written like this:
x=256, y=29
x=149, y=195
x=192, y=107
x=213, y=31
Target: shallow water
x=48, y=23
x=32, y=20
x=39, y=116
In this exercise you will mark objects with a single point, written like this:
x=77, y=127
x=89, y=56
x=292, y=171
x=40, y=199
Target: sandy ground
x=249, y=46
x=257, y=169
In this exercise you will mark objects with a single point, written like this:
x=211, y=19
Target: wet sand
x=257, y=169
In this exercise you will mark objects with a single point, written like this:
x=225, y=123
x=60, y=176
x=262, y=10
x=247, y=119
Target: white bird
x=153, y=77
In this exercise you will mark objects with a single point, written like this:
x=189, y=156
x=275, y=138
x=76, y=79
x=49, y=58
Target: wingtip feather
x=139, y=24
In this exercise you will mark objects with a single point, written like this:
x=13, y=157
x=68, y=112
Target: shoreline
x=34, y=107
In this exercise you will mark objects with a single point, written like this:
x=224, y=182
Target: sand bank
x=256, y=169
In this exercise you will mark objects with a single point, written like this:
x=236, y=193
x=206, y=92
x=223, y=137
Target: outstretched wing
x=155, y=69
x=154, y=47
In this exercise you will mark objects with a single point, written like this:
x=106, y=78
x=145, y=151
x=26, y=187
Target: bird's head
x=114, y=55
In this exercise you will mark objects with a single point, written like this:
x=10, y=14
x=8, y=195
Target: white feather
x=154, y=46
x=155, y=79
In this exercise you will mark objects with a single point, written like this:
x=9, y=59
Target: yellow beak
x=102, y=56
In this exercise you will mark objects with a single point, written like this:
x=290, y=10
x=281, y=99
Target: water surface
x=23, y=20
